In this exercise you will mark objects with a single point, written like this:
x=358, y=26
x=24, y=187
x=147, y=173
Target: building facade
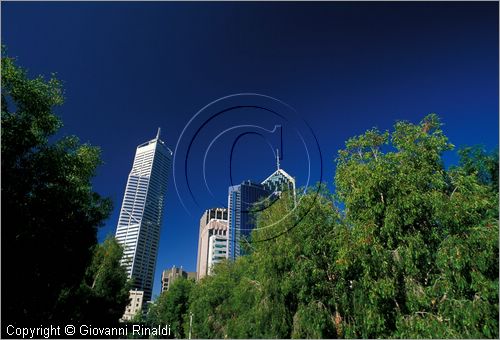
x=279, y=181
x=141, y=214
x=170, y=275
x=135, y=304
x=212, y=240
x=217, y=249
x=242, y=201
x=246, y=199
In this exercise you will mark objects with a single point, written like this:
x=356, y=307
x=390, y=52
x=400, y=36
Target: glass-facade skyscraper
x=242, y=201
x=279, y=181
x=141, y=214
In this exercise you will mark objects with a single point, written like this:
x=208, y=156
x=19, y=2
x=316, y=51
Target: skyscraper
x=212, y=240
x=243, y=198
x=141, y=213
x=279, y=181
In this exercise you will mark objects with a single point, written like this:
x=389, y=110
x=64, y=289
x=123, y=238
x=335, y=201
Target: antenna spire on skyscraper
x=278, y=158
x=158, y=134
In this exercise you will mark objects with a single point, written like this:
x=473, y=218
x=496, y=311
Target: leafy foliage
x=171, y=308
x=426, y=239
x=279, y=286
x=222, y=304
x=412, y=253
x=103, y=294
x=50, y=214
x=476, y=161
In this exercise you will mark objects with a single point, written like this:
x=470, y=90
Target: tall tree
x=413, y=251
x=294, y=270
x=222, y=304
x=422, y=255
x=282, y=288
x=475, y=160
x=171, y=308
x=103, y=293
x=50, y=214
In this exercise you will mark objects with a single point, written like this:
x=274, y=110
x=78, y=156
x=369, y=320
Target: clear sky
x=345, y=67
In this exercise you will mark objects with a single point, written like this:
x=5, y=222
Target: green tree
x=221, y=304
x=422, y=251
x=50, y=214
x=412, y=253
x=103, y=294
x=171, y=308
x=475, y=160
x=294, y=271
x=281, y=289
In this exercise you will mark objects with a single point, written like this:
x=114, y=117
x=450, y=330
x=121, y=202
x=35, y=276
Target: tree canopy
x=423, y=240
x=404, y=247
x=50, y=214
x=103, y=294
x=171, y=308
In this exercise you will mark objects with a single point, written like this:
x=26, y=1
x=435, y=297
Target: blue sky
x=345, y=67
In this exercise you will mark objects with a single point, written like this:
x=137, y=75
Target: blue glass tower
x=242, y=202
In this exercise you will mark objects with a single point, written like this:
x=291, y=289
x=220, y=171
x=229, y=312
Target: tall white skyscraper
x=141, y=213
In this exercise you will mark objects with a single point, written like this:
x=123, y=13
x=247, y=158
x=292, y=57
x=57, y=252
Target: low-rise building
x=170, y=275
x=135, y=304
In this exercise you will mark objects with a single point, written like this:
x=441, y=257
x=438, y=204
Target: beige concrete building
x=212, y=240
x=135, y=304
x=170, y=275
x=191, y=275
